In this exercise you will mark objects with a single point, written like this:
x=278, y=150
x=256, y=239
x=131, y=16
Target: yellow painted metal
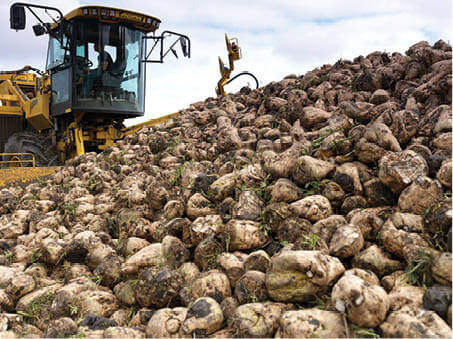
x=16, y=160
x=11, y=94
x=109, y=135
x=141, y=21
x=77, y=133
x=11, y=110
x=8, y=97
x=28, y=95
x=234, y=54
x=16, y=102
x=37, y=112
x=77, y=137
x=148, y=123
x=21, y=79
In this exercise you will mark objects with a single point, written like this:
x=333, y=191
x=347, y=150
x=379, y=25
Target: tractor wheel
x=28, y=142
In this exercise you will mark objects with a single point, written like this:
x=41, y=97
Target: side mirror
x=183, y=42
x=17, y=17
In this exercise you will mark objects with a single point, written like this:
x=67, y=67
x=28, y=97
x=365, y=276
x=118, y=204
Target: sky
x=277, y=38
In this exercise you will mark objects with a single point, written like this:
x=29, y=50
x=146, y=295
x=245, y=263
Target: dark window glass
x=61, y=86
x=108, y=73
x=57, y=54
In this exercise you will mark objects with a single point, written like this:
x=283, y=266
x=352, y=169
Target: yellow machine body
x=34, y=108
x=141, y=21
x=234, y=54
x=26, y=97
x=23, y=95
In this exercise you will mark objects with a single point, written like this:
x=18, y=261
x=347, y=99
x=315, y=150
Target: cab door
x=60, y=69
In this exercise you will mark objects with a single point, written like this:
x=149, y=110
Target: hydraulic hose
x=244, y=73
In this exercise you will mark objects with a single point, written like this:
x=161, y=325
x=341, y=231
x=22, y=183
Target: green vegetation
x=35, y=255
x=160, y=233
x=132, y=312
x=439, y=241
x=226, y=238
x=313, y=187
x=312, y=241
x=418, y=272
x=262, y=190
x=94, y=184
x=173, y=143
x=177, y=175
x=8, y=256
x=69, y=208
x=96, y=278
x=336, y=144
x=73, y=309
x=264, y=223
x=36, y=307
x=362, y=332
x=316, y=143
x=252, y=298
x=42, y=182
x=324, y=78
x=317, y=302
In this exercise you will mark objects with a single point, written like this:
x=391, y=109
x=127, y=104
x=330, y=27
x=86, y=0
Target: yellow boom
x=234, y=54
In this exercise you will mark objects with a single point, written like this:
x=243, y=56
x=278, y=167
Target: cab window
x=58, y=53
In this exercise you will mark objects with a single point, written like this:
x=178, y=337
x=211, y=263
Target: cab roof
x=143, y=22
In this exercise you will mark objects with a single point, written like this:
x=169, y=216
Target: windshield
x=108, y=71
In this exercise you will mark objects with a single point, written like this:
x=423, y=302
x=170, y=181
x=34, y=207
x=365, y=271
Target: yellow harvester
x=94, y=80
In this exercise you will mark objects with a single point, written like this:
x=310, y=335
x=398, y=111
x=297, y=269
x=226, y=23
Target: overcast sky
x=278, y=37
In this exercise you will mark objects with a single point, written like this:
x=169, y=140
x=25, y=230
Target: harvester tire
x=29, y=142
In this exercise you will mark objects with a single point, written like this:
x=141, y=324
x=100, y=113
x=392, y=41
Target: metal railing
x=15, y=159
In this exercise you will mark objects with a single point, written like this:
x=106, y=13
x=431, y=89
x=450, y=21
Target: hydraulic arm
x=234, y=54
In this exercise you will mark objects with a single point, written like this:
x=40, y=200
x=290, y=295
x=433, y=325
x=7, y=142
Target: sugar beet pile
x=316, y=206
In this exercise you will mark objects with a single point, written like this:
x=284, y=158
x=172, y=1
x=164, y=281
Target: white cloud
x=277, y=38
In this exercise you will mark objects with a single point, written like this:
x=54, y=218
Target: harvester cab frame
x=94, y=79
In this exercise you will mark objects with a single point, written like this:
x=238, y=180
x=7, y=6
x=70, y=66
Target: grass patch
x=362, y=332
x=419, y=271
x=262, y=190
x=173, y=143
x=313, y=187
x=316, y=143
x=311, y=242
x=37, y=309
x=69, y=208
x=35, y=255
x=317, y=302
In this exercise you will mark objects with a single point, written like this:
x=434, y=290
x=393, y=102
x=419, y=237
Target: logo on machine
x=131, y=16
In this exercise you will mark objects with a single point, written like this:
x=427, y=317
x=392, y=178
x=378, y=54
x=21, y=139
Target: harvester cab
x=94, y=79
